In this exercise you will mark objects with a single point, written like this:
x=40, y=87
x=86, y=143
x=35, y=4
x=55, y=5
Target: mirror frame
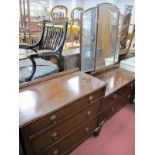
x=94, y=69
x=117, y=38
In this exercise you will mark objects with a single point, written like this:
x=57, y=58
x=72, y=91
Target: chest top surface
x=115, y=79
x=38, y=100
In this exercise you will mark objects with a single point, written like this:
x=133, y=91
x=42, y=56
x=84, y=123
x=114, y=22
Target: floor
x=117, y=136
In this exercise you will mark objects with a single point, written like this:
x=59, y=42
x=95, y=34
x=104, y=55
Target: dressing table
x=119, y=90
x=58, y=114
x=101, y=46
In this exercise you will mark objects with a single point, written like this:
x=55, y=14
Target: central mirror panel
x=108, y=35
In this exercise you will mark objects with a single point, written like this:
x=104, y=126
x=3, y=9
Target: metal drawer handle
x=129, y=96
x=115, y=96
x=87, y=130
x=55, y=136
x=53, y=119
x=131, y=84
x=89, y=114
x=55, y=152
x=112, y=109
x=90, y=98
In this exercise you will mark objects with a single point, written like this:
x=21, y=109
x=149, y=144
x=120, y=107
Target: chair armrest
x=28, y=46
x=43, y=55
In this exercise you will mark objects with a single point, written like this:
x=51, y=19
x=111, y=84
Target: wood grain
x=39, y=100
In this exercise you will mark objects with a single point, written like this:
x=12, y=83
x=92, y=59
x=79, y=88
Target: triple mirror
x=100, y=37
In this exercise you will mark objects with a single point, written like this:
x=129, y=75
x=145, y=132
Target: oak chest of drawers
x=59, y=114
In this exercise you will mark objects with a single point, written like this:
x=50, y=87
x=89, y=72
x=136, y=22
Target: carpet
x=117, y=136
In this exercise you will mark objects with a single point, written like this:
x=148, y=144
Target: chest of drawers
x=59, y=114
x=119, y=91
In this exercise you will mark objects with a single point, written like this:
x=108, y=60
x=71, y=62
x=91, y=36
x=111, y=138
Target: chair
x=59, y=12
x=49, y=46
x=74, y=19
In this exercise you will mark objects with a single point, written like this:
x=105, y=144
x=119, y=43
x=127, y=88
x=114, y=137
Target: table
x=71, y=58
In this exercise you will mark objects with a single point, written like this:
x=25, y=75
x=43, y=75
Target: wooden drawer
x=126, y=89
x=41, y=141
x=109, y=100
x=108, y=112
x=74, y=138
x=121, y=102
x=59, y=115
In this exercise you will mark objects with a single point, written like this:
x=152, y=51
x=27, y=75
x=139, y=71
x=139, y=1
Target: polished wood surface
x=115, y=78
x=38, y=100
x=63, y=113
x=119, y=90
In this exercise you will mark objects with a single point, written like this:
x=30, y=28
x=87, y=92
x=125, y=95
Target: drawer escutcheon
x=87, y=130
x=53, y=118
x=55, y=136
x=89, y=114
x=55, y=152
x=90, y=98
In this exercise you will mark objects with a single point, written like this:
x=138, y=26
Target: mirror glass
x=88, y=39
x=108, y=35
x=125, y=26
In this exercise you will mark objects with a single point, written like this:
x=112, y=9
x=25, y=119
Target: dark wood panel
x=54, y=134
x=115, y=101
x=63, y=146
x=126, y=89
x=107, y=112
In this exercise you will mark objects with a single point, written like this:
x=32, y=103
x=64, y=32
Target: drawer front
x=121, y=102
x=108, y=112
x=126, y=89
x=109, y=100
x=62, y=113
x=60, y=130
x=64, y=145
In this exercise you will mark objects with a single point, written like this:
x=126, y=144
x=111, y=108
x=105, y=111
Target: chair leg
x=72, y=38
x=79, y=36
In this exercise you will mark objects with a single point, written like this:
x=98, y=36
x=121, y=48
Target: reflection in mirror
x=88, y=39
x=108, y=35
x=125, y=26
x=45, y=57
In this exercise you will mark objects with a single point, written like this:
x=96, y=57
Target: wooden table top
x=42, y=98
x=115, y=79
